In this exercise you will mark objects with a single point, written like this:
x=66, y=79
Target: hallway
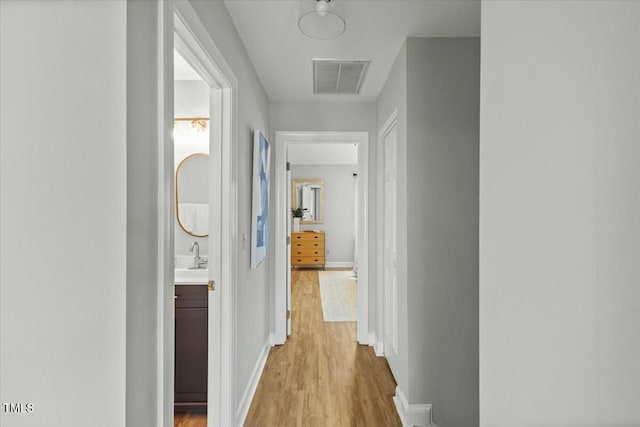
x=321, y=376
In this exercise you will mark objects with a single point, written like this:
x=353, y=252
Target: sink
x=191, y=276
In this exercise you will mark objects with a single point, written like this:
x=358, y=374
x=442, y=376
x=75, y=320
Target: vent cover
x=338, y=76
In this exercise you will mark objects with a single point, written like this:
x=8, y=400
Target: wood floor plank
x=189, y=419
x=321, y=376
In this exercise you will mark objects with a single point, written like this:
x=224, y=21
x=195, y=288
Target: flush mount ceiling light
x=321, y=19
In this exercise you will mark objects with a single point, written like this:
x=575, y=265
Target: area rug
x=338, y=292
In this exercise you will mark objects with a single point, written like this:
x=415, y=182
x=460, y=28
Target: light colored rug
x=338, y=291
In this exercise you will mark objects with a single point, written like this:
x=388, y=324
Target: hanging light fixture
x=321, y=20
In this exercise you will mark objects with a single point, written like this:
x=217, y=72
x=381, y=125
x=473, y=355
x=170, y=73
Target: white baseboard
x=412, y=415
x=378, y=348
x=247, y=397
x=339, y=264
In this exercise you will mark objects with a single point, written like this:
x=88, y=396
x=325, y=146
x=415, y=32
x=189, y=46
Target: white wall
x=191, y=100
x=442, y=238
x=63, y=211
x=252, y=294
x=339, y=208
x=323, y=154
x=559, y=209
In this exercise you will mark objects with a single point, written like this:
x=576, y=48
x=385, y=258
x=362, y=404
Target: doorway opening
x=191, y=142
x=196, y=350
x=324, y=180
x=353, y=251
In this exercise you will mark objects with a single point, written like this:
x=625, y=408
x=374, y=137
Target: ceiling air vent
x=338, y=76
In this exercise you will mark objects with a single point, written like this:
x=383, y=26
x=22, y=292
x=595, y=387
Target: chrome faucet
x=198, y=261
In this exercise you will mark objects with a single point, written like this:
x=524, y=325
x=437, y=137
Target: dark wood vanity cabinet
x=191, y=348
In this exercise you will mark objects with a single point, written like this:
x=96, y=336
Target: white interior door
x=288, y=249
x=390, y=246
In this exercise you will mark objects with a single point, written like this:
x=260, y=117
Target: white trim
x=377, y=346
x=283, y=139
x=195, y=44
x=339, y=264
x=381, y=313
x=165, y=316
x=412, y=415
x=250, y=391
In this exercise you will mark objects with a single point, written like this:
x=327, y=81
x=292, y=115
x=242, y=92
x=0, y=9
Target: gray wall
x=149, y=265
x=347, y=116
x=191, y=100
x=252, y=309
x=442, y=255
x=434, y=87
x=339, y=204
x=99, y=244
x=63, y=212
x=393, y=97
x=559, y=210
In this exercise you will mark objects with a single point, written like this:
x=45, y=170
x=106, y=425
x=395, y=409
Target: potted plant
x=297, y=214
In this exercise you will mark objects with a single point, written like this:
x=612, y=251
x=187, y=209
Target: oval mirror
x=192, y=194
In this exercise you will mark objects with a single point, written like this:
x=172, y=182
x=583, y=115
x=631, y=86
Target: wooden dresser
x=307, y=248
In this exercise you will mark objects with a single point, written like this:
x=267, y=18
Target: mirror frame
x=190, y=156
x=294, y=197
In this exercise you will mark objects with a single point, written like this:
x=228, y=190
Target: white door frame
x=194, y=43
x=387, y=313
x=283, y=140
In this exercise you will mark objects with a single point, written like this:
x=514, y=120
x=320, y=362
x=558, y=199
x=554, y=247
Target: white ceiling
x=376, y=29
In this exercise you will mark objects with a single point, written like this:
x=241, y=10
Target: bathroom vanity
x=191, y=313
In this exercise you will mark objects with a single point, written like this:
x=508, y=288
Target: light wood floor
x=321, y=376
x=189, y=420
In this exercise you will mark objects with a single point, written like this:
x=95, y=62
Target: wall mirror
x=309, y=195
x=192, y=194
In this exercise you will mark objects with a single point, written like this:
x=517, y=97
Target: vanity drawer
x=191, y=296
x=307, y=260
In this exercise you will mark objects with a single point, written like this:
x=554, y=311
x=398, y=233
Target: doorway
x=285, y=140
x=192, y=42
x=193, y=165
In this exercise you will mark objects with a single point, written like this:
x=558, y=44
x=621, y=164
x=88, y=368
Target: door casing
x=181, y=28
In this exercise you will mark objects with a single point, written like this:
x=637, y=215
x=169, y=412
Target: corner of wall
x=412, y=415
x=376, y=344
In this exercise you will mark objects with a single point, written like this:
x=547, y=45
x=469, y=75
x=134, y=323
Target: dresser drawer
x=307, y=260
x=304, y=251
x=307, y=245
x=307, y=236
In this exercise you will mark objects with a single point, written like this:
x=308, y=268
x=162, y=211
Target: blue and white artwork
x=260, y=200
